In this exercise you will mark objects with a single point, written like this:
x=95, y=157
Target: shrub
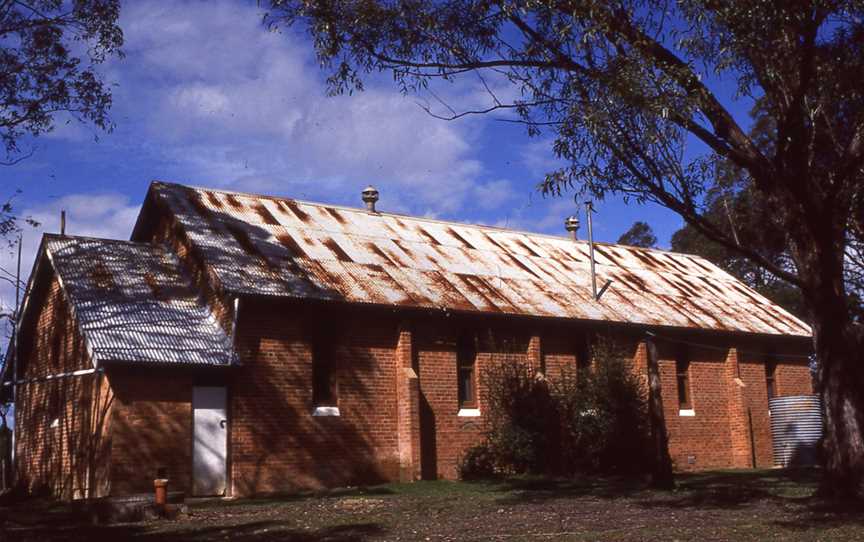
x=478, y=463
x=522, y=418
x=604, y=415
x=595, y=420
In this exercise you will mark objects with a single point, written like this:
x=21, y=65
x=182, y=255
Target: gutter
x=82, y=372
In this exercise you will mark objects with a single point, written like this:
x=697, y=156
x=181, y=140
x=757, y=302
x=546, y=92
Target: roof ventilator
x=370, y=196
x=571, y=224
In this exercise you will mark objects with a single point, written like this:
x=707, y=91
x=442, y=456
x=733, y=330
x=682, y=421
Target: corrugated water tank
x=796, y=427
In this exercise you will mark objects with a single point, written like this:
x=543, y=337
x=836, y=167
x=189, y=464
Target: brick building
x=246, y=344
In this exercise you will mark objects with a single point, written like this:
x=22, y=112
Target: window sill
x=326, y=411
x=469, y=412
x=689, y=412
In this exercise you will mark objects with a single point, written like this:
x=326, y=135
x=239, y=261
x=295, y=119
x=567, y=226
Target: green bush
x=604, y=416
x=590, y=421
x=521, y=418
x=478, y=463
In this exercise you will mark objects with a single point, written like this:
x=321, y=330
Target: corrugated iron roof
x=134, y=303
x=284, y=247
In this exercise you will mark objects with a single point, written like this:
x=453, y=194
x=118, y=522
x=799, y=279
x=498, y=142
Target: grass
x=719, y=505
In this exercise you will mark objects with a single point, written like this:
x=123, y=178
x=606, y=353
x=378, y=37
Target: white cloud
x=101, y=215
x=543, y=215
x=538, y=157
x=494, y=194
x=222, y=101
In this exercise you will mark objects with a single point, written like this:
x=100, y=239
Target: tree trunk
x=661, y=473
x=841, y=383
x=837, y=342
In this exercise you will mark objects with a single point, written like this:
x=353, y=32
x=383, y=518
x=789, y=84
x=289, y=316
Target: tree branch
x=689, y=213
x=740, y=149
x=19, y=159
x=458, y=67
x=489, y=109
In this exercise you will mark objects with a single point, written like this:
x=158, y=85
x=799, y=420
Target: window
x=324, y=390
x=770, y=382
x=55, y=405
x=583, y=352
x=682, y=373
x=466, y=357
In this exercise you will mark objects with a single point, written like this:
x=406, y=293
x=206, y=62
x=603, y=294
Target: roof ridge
x=57, y=236
x=424, y=219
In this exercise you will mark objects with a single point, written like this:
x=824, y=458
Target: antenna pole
x=18, y=279
x=589, y=208
x=15, y=317
x=63, y=222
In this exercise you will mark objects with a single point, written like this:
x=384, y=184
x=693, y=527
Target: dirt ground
x=728, y=505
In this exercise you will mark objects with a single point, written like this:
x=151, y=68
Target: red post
x=161, y=487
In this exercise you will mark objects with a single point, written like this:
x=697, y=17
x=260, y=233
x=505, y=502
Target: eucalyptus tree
x=640, y=234
x=48, y=53
x=49, y=50
x=638, y=95
x=733, y=203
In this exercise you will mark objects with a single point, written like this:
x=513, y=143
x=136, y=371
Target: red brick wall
x=559, y=352
x=752, y=373
x=276, y=378
x=151, y=426
x=445, y=435
x=792, y=377
x=276, y=443
x=731, y=426
x=57, y=423
x=741, y=438
x=408, y=406
x=701, y=441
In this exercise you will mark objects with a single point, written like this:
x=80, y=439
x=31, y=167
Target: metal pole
x=588, y=210
x=15, y=350
x=18, y=282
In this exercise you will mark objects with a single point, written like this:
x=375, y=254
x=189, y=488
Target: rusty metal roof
x=284, y=247
x=134, y=303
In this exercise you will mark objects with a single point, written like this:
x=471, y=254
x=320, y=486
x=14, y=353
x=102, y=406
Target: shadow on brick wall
x=278, y=444
x=61, y=422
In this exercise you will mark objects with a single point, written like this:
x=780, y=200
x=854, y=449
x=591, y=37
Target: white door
x=210, y=435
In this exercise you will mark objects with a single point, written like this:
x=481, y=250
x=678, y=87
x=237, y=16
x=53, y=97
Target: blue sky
x=207, y=96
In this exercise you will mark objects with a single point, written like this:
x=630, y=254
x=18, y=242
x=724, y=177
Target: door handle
x=223, y=423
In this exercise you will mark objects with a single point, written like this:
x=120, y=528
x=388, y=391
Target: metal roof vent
x=370, y=196
x=571, y=224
